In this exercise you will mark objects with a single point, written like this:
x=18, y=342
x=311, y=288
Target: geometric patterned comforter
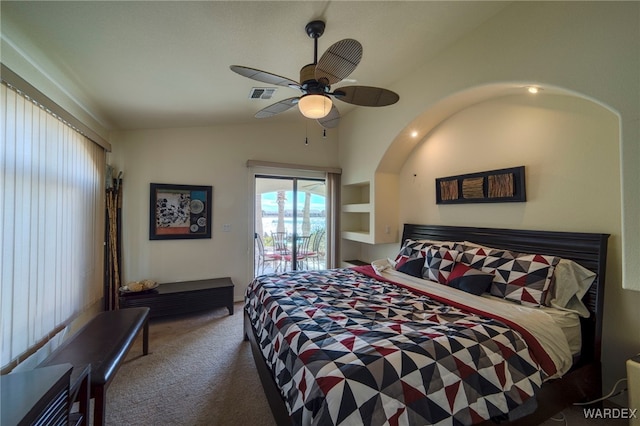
x=347, y=349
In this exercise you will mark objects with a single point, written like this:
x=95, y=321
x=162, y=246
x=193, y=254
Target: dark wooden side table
x=38, y=396
x=80, y=391
x=183, y=297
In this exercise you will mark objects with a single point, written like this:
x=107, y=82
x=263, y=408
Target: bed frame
x=583, y=382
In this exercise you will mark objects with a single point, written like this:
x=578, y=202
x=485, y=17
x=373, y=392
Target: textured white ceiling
x=150, y=64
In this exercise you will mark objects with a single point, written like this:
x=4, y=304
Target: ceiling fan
x=316, y=79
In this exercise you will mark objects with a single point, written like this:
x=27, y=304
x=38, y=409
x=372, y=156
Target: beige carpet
x=201, y=372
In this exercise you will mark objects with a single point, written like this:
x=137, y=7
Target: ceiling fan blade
x=339, y=61
x=366, y=96
x=331, y=120
x=277, y=108
x=263, y=76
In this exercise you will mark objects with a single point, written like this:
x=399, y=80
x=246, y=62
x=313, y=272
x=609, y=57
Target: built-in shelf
x=370, y=211
x=356, y=212
x=356, y=208
x=356, y=193
x=359, y=236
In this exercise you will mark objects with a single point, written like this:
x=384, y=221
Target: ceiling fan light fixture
x=315, y=106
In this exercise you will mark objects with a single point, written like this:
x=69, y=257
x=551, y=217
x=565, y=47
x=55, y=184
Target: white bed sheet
x=553, y=328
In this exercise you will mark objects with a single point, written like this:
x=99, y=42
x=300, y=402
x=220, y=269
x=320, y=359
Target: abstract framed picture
x=179, y=211
x=495, y=186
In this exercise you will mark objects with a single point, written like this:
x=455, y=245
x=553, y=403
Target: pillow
x=447, y=244
x=525, y=278
x=485, y=259
x=410, y=250
x=519, y=277
x=570, y=283
x=438, y=263
x=412, y=267
x=400, y=260
x=465, y=278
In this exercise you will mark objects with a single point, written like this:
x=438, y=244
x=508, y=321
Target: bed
x=379, y=344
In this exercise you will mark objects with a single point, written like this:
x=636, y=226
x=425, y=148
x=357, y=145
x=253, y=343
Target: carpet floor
x=200, y=371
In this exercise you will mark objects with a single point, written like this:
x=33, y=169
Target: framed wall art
x=179, y=211
x=495, y=186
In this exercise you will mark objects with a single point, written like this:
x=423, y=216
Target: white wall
x=214, y=156
x=570, y=151
x=590, y=49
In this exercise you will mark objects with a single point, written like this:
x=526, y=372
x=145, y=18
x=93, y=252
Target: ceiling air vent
x=261, y=92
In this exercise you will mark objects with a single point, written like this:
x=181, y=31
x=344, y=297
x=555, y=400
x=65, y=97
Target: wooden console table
x=183, y=297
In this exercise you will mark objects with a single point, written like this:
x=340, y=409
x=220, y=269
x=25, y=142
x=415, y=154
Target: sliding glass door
x=290, y=224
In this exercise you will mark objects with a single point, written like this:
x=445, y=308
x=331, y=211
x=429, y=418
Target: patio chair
x=280, y=243
x=265, y=257
x=314, y=254
x=302, y=247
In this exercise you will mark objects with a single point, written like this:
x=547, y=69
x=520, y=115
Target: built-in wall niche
x=370, y=210
x=356, y=212
x=356, y=194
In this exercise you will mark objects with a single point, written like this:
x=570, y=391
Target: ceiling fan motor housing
x=307, y=74
x=308, y=82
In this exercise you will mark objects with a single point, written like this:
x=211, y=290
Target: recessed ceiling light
x=533, y=89
x=414, y=134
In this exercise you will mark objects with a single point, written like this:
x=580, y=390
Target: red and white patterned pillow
x=520, y=277
x=438, y=263
x=525, y=279
x=484, y=258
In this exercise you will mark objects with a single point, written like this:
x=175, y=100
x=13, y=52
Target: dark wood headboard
x=586, y=249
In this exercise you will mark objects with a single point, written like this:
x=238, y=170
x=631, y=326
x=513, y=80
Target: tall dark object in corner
x=113, y=240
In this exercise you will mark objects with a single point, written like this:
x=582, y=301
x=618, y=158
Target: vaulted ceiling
x=151, y=64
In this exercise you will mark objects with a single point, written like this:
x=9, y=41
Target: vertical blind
x=51, y=224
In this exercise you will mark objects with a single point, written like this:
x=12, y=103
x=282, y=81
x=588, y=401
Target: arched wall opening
x=425, y=122
x=570, y=146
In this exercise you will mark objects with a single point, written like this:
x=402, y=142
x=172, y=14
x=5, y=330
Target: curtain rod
x=19, y=84
x=260, y=163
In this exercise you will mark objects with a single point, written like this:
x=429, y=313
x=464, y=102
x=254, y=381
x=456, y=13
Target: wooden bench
x=102, y=343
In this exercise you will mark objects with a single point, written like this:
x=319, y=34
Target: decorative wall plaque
x=495, y=186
